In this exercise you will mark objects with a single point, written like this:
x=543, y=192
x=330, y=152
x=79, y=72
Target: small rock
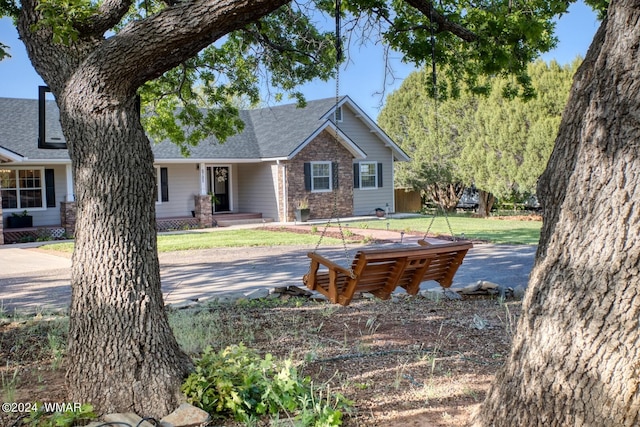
x=294, y=290
x=472, y=288
x=186, y=416
x=518, y=292
x=318, y=297
x=484, y=287
x=257, y=294
x=180, y=305
x=366, y=295
x=126, y=419
x=479, y=323
x=489, y=287
x=230, y=297
x=450, y=295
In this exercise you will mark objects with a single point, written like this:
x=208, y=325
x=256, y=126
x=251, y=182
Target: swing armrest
x=319, y=259
x=330, y=284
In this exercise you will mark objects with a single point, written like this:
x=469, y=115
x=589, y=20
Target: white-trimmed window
x=162, y=184
x=368, y=175
x=321, y=176
x=22, y=188
x=338, y=114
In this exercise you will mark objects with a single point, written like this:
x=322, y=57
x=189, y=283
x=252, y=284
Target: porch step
x=226, y=219
x=230, y=221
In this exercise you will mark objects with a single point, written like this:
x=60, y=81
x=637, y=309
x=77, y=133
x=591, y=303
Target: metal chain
x=437, y=125
x=446, y=217
x=334, y=212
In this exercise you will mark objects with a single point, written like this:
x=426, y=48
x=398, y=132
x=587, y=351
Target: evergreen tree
x=497, y=143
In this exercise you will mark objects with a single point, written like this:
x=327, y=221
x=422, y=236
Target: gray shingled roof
x=19, y=128
x=268, y=133
x=273, y=132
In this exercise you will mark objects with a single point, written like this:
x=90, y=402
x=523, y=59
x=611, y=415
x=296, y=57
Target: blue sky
x=362, y=78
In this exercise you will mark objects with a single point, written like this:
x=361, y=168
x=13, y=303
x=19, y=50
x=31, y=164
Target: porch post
x=70, y=197
x=203, y=200
x=68, y=206
x=203, y=179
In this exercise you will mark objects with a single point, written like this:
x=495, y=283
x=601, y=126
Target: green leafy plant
x=237, y=382
x=214, y=200
x=76, y=416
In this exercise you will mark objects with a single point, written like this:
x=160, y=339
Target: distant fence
x=407, y=200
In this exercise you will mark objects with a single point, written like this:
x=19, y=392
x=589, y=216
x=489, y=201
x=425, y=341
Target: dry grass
x=404, y=362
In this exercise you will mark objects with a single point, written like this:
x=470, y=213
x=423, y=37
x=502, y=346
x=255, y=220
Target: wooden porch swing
x=381, y=271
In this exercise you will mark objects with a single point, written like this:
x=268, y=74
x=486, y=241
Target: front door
x=219, y=187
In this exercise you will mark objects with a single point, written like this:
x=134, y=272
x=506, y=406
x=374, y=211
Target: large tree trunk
x=575, y=359
x=446, y=195
x=122, y=353
x=485, y=203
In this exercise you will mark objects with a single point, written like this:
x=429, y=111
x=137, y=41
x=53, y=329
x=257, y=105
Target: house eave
x=194, y=160
x=25, y=161
x=8, y=156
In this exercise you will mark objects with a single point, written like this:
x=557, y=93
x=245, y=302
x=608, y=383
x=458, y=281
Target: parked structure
x=285, y=157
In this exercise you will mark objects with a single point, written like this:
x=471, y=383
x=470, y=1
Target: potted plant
x=214, y=200
x=302, y=210
x=20, y=220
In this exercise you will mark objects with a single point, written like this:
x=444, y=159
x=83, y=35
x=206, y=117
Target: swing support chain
x=434, y=82
x=334, y=212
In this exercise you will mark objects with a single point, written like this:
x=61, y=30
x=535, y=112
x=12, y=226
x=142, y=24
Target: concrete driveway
x=31, y=280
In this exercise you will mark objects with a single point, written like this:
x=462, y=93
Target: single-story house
x=286, y=156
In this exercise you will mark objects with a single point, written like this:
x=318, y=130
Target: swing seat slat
x=381, y=271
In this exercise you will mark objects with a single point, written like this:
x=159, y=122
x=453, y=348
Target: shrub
x=237, y=382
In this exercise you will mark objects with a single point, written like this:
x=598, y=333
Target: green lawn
x=508, y=231
x=493, y=230
x=227, y=238
x=236, y=238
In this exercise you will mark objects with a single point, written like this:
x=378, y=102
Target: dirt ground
x=409, y=361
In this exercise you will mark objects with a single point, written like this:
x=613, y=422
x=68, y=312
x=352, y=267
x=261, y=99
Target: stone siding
x=68, y=217
x=1, y=224
x=203, y=210
x=323, y=148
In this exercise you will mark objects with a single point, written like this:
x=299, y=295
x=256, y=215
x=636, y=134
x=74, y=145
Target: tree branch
x=266, y=41
x=427, y=9
x=108, y=15
x=146, y=48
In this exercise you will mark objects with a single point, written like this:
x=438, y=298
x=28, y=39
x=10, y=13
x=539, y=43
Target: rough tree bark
x=575, y=359
x=122, y=355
